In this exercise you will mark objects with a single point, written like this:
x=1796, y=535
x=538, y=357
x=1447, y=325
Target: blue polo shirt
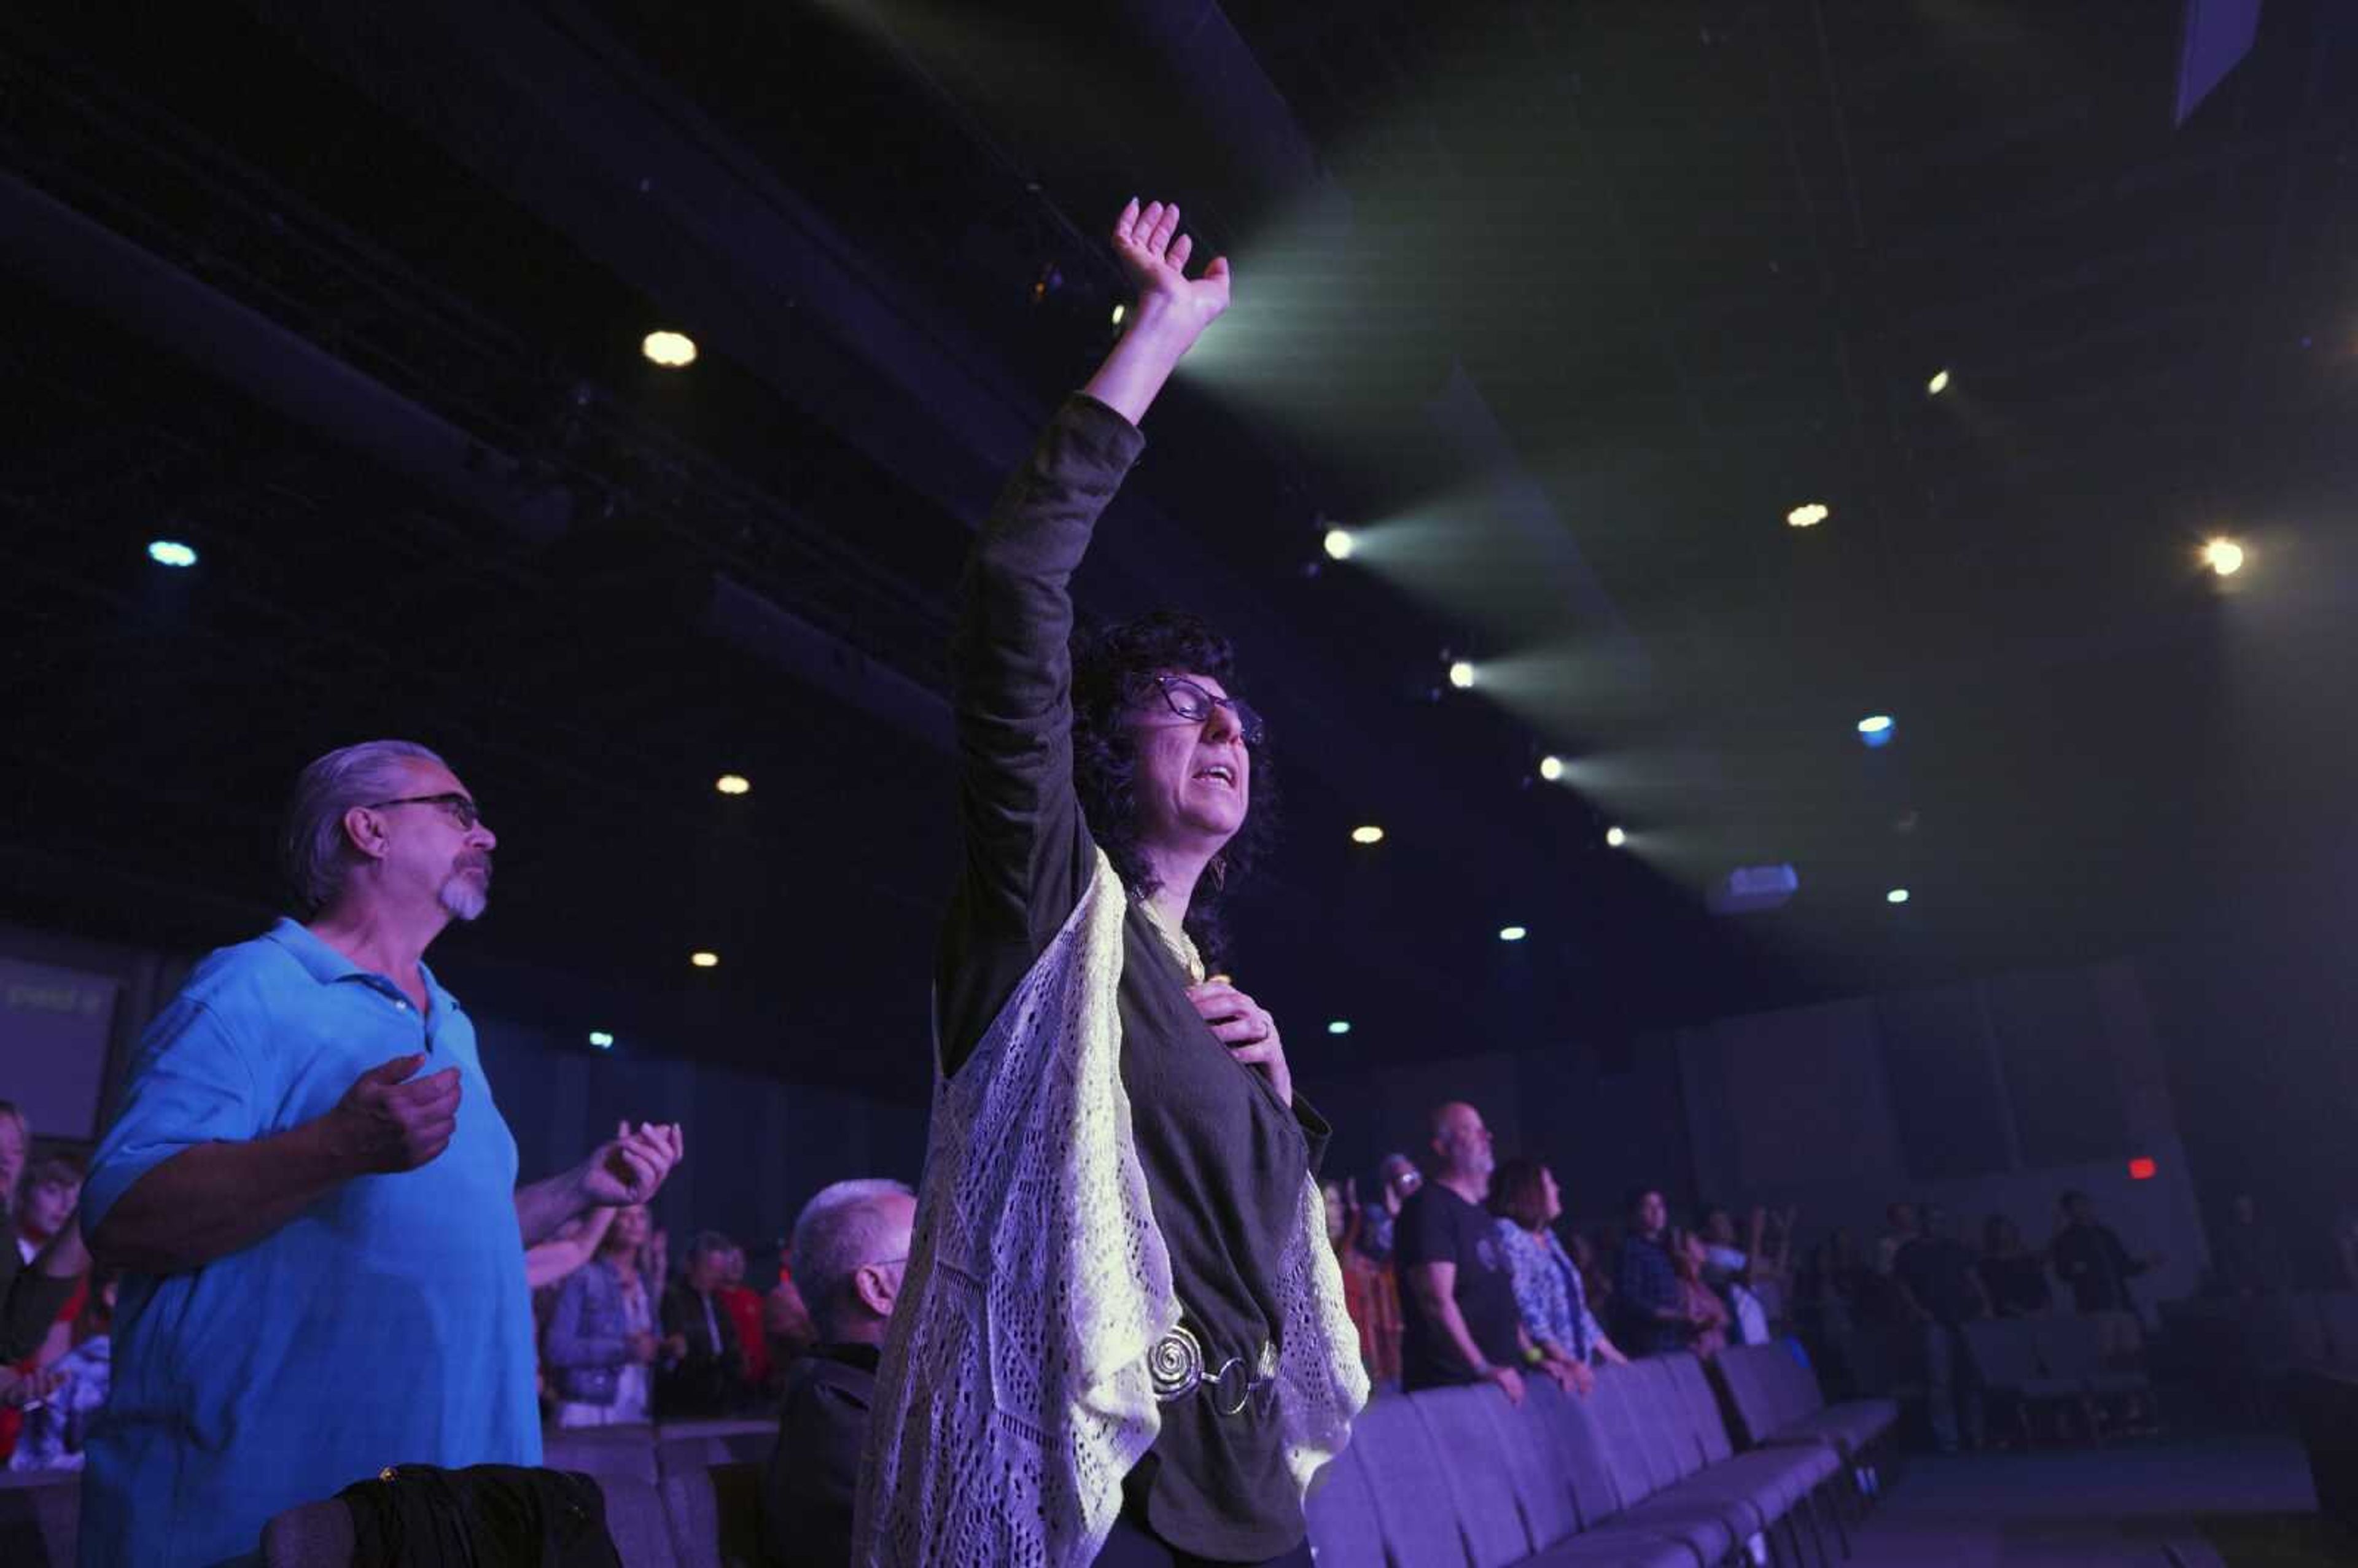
x=388, y=1323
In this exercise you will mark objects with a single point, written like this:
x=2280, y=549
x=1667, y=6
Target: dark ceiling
x=1578, y=298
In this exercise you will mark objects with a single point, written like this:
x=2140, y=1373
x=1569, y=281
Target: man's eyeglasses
x=1193, y=703
x=460, y=807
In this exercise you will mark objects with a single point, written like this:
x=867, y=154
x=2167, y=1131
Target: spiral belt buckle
x=1175, y=1366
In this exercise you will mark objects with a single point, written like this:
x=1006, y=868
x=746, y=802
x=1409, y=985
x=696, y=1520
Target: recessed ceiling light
x=1938, y=384
x=171, y=553
x=1897, y=895
x=1876, y=729
x=2223, y=556
x=1367, y=834
x=1338, y=544
x=1809, y=516
x=673, y=350
x=1119, y=312
x=733, y=783
x=1511, y=933
x=601, y=1039
x=704, y=960
x=1339, y=1026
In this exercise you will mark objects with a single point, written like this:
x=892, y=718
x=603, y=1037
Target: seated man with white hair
x=313, y=1199
x=850, y=1248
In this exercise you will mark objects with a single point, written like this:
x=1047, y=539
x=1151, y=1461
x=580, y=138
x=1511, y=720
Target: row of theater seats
x=1645, y=1472
x=2030, y=1362
x=678, y=1494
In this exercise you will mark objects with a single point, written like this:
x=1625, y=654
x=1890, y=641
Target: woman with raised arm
x=1121, y=1339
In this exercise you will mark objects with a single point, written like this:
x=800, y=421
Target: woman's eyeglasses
x=1193, y=703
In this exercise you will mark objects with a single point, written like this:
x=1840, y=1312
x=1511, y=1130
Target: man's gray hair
x=312, y=848
x=838, y=1232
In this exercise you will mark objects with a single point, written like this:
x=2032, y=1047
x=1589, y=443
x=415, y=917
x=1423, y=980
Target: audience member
x=744, y=1309
x=301, y=1202
x=785, y=1318
x=1704, y=1310
x=33, y=1289
x=2013, y=1276
x=702, y=1372
x=1398, y=1178
x=1727, y=1269
x=601, y=1339
x=1596, y=1278
x=1942, y=1289
x=1370, y=1294
x=1900, y=1227
x=1653, y=1314
x=1548, y=1288
x=2090, y=1259
x=851, y=1243
x=1457, y=1289
x=63, y=1400
x=574, y=1243
x=2248, y=1261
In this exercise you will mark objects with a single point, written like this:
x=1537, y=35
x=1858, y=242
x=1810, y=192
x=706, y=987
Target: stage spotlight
x=1876, y=730
x=1550, y=768
x=1897, y=895
x=1339, y=544
x=171, y=553
x=704, y=960
x=1339, y=1026
x=673, y=350
x=1461, y=675
x=1369, y=834
x=1809, y=515
x=1511, y=933
x=1615, y=837
x=601, y=1039
x=2223, y=556
x=733, y=783
x=1938, y=384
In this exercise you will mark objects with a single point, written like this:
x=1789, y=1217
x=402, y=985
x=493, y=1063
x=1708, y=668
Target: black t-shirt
x=1436, y=1225
x=1939, y=1272
x=2017, y=1283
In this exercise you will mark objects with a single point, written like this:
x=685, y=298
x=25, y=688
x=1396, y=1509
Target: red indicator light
x=2142, y=1169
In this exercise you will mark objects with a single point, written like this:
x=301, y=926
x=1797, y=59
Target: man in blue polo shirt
x=314, y=1198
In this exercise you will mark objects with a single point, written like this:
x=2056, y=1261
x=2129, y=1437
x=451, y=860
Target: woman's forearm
x=1135, y=373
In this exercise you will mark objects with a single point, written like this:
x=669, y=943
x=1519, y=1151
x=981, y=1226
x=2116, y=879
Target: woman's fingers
x=1166, y=224
x=1181, y=249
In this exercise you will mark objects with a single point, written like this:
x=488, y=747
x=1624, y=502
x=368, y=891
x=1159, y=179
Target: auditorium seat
x=714, y=1516
x=603, y=1450
x=2072, y=1349
x=749, y=1444
x=1778, y=1404
x=40, y=1516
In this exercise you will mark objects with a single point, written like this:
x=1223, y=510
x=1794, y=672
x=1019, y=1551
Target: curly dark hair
x=1111, y=664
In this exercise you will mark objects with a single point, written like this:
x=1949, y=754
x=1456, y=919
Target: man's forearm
x=212, y=1199
x=545, y=1205
x=1460, y=1335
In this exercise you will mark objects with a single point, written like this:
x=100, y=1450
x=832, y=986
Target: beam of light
x=1938, y=384
x=601, y=1039
x=733, y=783
x=704, y=960
x=1369, y=834
x=1897, y=895
x=1551, y=769
x=1338, y=544
x=1809, y=515
x=1511, y=933
x=2223, y=556
x=673, y=350
x=1461, y=675
x=1339, y=1026
x=171, y=553
x=1615, y=837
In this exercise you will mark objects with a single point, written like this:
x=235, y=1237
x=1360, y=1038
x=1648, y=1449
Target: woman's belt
x=1174, y=1364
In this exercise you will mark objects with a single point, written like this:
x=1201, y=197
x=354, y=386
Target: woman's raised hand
x=1154, y=254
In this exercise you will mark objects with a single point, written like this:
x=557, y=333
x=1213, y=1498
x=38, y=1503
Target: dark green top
x=1224, y=1161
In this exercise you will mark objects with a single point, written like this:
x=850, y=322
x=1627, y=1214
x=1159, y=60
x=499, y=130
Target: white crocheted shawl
x=1013, y=1395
